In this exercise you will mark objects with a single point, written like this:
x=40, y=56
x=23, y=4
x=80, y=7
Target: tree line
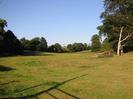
x=40, y=44
x=11, y=45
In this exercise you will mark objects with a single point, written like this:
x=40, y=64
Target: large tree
x=11, y=44
x=118, y=22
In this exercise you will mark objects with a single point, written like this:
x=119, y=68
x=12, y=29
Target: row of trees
x=9, y=44
x=75, y=47
x=40, y=44
x=35, y=44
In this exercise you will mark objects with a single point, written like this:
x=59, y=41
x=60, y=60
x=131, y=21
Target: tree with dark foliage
x=55, y=48
x=43, y=44
x=118, y=23
x=9, y=44
x=76, y=47
x=25, y=43
x=35, y=44
x=96, y=44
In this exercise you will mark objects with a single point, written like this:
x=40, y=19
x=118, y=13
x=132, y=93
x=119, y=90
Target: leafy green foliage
x=96, y=44
x=10, y=44
x=35, y=44
x=43, y=44
x=106, y=46
x=117, y=14
x=75, y=47
x=25, y=43
x=55, y=48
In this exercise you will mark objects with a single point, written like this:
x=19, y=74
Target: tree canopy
x=96, y=44
x=117, y=17
x=35, y=44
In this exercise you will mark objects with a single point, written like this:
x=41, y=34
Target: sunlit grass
x=107, y=78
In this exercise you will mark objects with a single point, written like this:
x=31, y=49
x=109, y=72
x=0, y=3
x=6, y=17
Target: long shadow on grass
x=32, y=87
x=56, y=87
x=47, y=91
x=62, y=83
x=52, y=95
x=67, y=93
x=5, y=68
x=10, y=82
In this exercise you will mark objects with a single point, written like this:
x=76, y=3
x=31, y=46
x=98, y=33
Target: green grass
x=107, y=78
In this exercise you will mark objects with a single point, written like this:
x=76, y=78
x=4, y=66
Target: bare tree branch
x=129, y=35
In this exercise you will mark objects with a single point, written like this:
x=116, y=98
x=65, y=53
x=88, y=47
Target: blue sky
x=62, y=21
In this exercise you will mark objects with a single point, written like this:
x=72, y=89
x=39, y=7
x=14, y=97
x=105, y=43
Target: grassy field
x=67, y=76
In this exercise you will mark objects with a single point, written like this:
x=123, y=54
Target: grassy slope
x=107, y=78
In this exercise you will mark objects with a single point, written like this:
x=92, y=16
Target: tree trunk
x=119, y=43
x=121, y=50
x=118, y=48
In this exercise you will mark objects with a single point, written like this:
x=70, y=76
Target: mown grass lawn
x=79, y=75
